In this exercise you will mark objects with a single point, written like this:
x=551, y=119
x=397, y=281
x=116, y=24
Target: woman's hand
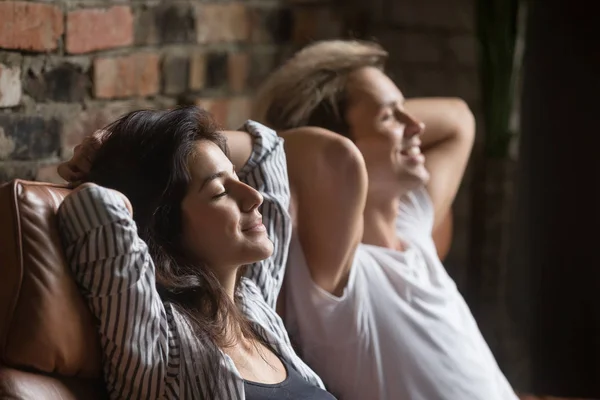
x=76, y=169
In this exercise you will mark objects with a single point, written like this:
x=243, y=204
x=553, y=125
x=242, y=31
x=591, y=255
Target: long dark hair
x=144, y=156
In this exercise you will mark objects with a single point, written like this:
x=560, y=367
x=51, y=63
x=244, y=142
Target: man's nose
x=413, y=128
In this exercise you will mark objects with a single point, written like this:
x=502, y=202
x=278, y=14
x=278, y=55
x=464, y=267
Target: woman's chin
x=260, y=251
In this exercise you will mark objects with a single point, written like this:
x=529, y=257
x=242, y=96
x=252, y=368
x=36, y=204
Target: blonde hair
x=309, y=89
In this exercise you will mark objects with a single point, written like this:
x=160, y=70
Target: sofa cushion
x=45, y=324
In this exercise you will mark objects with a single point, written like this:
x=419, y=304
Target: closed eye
x=386, y=116
x=222, y=194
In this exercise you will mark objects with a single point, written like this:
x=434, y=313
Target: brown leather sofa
x=48, y=343
x=49, y=348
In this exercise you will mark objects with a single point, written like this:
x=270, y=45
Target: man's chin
x=415, y=176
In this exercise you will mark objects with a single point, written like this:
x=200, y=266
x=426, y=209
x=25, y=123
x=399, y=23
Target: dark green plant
x=498, y=29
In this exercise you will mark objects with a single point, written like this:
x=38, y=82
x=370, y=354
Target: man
x=366, y=297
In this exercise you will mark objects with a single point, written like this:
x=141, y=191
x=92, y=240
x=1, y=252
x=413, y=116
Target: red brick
x=237, y=74
x=29, y=136
x=10, y=86
x=175, y=73
x=217, y=23
x=64, y=82
x=77, y=128
x=270, y=24
x=30, y=26
x=218, y=107
x=315, y=23
x=84, y=123
x=99, y=29
x=127, y=76
x=197, y=71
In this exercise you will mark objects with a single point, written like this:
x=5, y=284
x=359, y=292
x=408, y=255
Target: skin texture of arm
x=240, y=147
x=328, y=181
x=446, y=143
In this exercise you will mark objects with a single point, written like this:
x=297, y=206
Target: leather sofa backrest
x=45, y=324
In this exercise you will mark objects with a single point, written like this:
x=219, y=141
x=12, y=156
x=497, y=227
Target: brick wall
x=69, y=67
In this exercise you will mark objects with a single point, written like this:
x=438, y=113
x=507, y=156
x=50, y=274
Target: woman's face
x=221, y=223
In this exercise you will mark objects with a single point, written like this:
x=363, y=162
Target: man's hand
x=76, y=169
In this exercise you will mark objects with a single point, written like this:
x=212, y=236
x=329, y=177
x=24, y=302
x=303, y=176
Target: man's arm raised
x=446, y=143
x=329, y=186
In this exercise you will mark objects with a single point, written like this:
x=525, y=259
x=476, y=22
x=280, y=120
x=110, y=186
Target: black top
x=292, y=387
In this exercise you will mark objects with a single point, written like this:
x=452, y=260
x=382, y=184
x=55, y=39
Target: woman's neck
x=227, y=278
x=233, y=333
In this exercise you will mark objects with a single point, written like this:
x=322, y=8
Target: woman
x=160, y=258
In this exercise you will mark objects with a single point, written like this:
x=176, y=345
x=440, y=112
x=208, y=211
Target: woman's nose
x=251, y=199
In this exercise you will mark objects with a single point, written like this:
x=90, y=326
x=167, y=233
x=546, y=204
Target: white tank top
x=401, y=330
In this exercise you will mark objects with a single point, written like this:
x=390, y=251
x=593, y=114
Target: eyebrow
x=215, y=176
x=397, y=102
x=212, y=178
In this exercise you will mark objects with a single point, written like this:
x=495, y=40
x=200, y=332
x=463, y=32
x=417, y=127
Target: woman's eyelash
x=220, y=195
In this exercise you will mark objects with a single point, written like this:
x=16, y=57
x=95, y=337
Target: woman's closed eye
x=219, y=195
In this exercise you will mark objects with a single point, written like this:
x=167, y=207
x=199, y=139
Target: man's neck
x=380, y=221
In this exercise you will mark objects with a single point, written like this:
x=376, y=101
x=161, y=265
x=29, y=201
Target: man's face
x=387, y=136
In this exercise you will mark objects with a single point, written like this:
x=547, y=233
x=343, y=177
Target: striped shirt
x=150, y=351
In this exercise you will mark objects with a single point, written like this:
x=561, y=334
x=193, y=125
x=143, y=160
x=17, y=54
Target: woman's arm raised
x=115, y=274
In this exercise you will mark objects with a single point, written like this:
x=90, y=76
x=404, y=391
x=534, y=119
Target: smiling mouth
x=255, y=226
x=412, y=151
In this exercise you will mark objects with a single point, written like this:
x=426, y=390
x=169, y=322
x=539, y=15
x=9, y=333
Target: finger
x=95, y=140
x=68, y=173
x=95, y=144
x=90, y=147
x=77, y=148
x=64, y=171
x=81, y=162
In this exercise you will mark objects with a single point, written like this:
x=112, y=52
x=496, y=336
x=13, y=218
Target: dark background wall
x=556, y=268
